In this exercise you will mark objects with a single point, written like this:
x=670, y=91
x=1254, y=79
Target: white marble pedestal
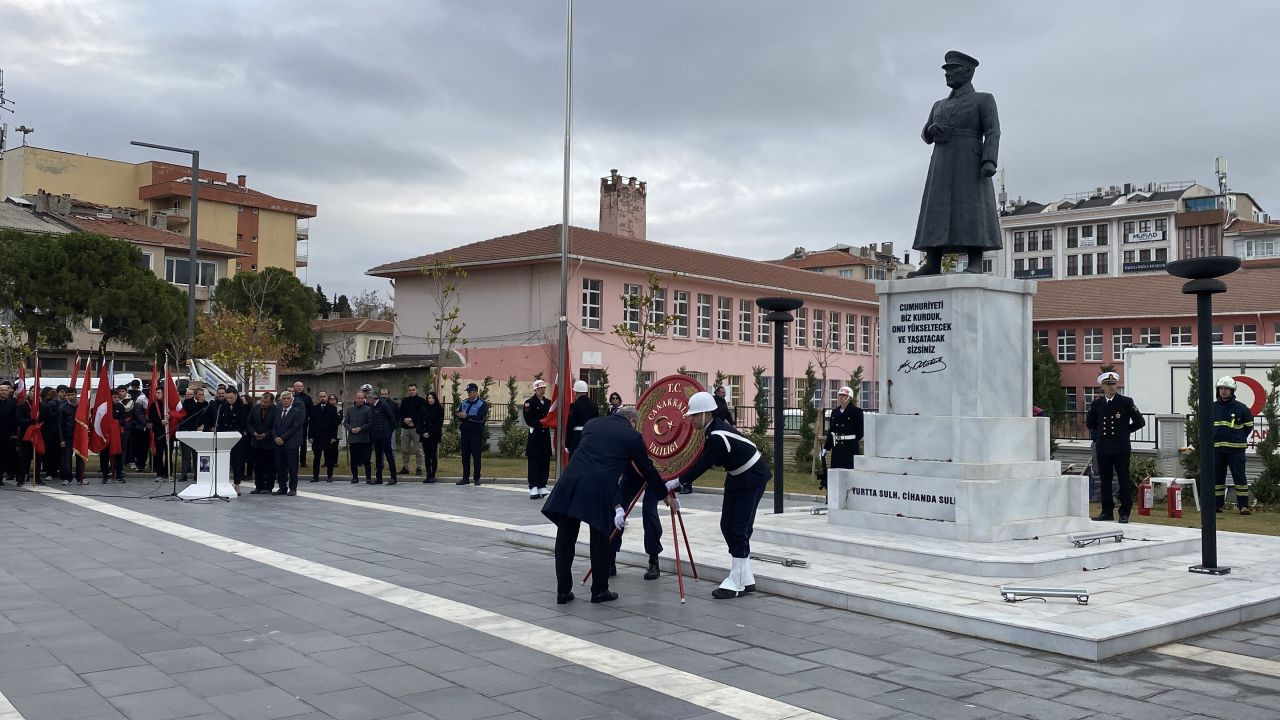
x=213, y=464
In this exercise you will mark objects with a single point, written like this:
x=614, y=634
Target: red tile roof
x=543, y=245
x=1245, y=226
x=145, y=235
x=825, y=259
x=1249, y=290
x=354, y=325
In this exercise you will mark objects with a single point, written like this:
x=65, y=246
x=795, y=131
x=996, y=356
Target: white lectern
x=213, y=464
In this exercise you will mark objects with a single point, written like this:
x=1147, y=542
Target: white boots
x=739, y=582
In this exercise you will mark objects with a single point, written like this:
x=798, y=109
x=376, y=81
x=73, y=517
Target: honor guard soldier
x=1111, y=419
x=580, y=412
x=748, y=474
x=844, y=433
x=1232, y=424
x=538, y=447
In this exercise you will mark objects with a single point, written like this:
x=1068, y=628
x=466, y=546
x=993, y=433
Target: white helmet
x=1107, y=377
x=1226, y=381
x=580, y=386
x=701, y=402
x=539, y=384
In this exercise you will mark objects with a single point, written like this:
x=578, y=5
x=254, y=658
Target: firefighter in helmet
x=1232, y=424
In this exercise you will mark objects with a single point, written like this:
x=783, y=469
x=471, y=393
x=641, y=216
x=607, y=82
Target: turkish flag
x=172, y=400
x=564, y=379
x=106, y=429
x=35, y=431
x=151, y=396
x=80, y=436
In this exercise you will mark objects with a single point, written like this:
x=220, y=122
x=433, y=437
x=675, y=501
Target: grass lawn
x=1230, y=520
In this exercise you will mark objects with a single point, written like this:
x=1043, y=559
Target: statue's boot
x=975, y=262
x=932, y=265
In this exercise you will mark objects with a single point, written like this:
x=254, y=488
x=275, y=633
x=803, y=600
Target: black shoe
x=654, y=571
x=315, y=479
x=476, y=481
x=749, y=588
x=417, y=471
x=292, y=492
x=1243, y=510
x=404, y=470
x=392, y=481
x=329, y=480
x=726, y=594
x=562, y=598
x=428, y=480
x=1102, y=517
x=1219, y=511
x=105, y=481
x=463, y=481
x=355, y=481
x=1124, y=519
x=255, y=492
x=279, y=492
x=606, y=596
x=376, y=482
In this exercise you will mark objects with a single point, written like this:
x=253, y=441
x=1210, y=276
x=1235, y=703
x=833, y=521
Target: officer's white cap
x=1107, y=377
x=539, y=384
x=580, y=386
x=845, y=390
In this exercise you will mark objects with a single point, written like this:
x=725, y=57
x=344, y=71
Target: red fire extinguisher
x=1175, y=500
x=1145, y=497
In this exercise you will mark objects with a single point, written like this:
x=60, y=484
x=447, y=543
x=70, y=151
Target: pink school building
x=509, y=302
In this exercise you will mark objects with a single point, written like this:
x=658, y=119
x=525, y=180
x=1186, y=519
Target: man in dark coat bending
x=608, y=466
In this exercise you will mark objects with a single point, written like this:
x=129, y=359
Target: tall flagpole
x=562, y=415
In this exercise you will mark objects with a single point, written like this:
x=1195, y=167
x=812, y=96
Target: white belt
x=746, y=466
x=577, y=429
x=845, y=437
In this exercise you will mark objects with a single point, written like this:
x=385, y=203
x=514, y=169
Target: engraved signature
x=932, y=365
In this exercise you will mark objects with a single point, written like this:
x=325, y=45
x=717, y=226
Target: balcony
x=304, y=233
x=301, y=259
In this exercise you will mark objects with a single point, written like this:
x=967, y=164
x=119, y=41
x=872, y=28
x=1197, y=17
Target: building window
x=1130, y=256
x=733, y=388
x=1073, y=265
x=1019, y=265
x=148, y=262
x=1046, y=263
x=591, y=290
x=1019, y=242
x=680, y=319
x=846, y=273
x=630, y=315
x=850, y=332
x=1121, y=338
x=724, y=319
x=1180, y=335
x=658, y=310
x=704, y=316
x=1217, y=334
x=764, y=328
x=1046, y=239
x=1127, y=230
x=819, y=325
x=1093, y=345
x=1102, y=263
x=701, y=377
x=1150, y=337
x=1090, y=394
x=1102, y=235
x=1144, y=226
x=1245, y=335
x=802, y=327
x=95, y=324
x=175, y=271
x=1162, y=254
x=1073, y=402
x=1161, y=224
x=1067, y=345
x=1073, y=237
x=988, y=266
x=1042, y=338
x=1033, y=240
x=877, y=272
x=865, y=334
x=746, y=316
x=833, y=332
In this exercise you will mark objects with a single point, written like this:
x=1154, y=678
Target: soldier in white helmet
x=1232, y=424
x=1111, y=419
x=538, y=446
x=582, y=410
x=748, y=474
x=844, y=433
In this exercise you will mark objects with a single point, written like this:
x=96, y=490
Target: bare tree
x=446, y=327
x=343, y=347
x=373, y=304
x=642, y=322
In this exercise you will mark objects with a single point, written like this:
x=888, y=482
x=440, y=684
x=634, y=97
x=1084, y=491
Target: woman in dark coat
x=432, y=425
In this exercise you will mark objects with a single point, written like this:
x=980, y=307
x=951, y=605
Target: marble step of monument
x=1035, y=556
x=960, y=470
x=957, y=439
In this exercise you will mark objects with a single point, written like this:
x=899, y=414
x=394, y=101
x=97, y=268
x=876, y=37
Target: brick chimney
x=240, y=180
x=622, y=206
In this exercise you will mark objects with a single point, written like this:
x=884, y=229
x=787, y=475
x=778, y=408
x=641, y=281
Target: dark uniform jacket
x=155, y=418
x=225, y=418
x=1110, y=423
x=580, y=412
x=260, y=422
x=432, y=421
x=411, y=408
x=324, y=424
x=539, y=443
x=9, y=431
x=723, y=412
x=66, y=421
x=606, y=471
x=193, y=417
x=724, y=446
x=290, y=426
x=844, y=423
x=477, y=412
x=1232, y=424
x=382, y=419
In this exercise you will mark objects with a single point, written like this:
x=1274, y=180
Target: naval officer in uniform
x=844, y=433
x=538, y=446
x=1111, y=419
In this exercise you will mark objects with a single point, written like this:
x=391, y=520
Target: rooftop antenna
x=5, y=104
x=25, y=132
x=1003, y=196
x=1219, y=169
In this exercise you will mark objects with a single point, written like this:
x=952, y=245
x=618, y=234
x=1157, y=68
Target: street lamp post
x=779, y=314
x=1202, y=281
x=192, y=265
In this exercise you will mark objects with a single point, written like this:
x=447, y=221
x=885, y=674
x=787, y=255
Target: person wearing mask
x=383, y=423
x=324, y=436
x=1112, y=418
x=615, y=403
x=472, y=415
x=410, y=414
x=288, y=433
x=747, y=474
x=580, y=412
x=1232, y=424
x=158, y=426
x=589, y=491
x=357, y=421
x=538, y=446
x=259, y=425
x=432, y=428
x=304, y=402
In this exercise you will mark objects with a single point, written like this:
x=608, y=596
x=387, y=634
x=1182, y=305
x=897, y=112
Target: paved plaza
x=406, y=602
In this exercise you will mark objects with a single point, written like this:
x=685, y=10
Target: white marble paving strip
x=428, y=514
x=1236, y=661
x=681, y=685
x=8, y=711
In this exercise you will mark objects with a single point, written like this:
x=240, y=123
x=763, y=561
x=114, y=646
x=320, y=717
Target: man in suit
x=289, y=429
x=1111, y=419
x=304, y=403
x=324, y=420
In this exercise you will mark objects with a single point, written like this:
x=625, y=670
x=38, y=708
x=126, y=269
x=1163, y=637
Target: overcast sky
x=759, y=126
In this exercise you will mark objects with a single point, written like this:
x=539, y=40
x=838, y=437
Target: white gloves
x=673, y=502
x=822, y=453
x=673, y=484
x=619, y=519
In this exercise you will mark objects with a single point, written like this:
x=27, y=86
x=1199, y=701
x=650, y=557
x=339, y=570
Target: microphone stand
x=213, y=488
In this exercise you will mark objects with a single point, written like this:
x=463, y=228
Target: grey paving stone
x=162, y=639
x=702, y=642
x=167, y=704
x=404, y=680
x=584, y=681
x=185, y=659
x=1232, y=646
x=360, y=703
x=934, y=662
x=268, y=659
x=438, y=659
x=851, y=661
x=355, y=659
x=839, y=705
x=91, y=654
x=311, y=680
x=219, y=680
x=689, y=660
x=1193, y=683
x=927, y=705
x=1123, y=707
x=548, y=703
x=391, y=641
x=760, y=682
x=1194, y=703
x=125, y=681
x=1116, y=684
x=1017, y=682
x=16, y=683
x=846, y=682
x=1034, y=708
x=71, y=704
x=646, y=704
x=1017, y=662
x=770, y=661
x=266, y=703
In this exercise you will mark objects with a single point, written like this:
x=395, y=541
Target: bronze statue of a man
x=958, y=210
